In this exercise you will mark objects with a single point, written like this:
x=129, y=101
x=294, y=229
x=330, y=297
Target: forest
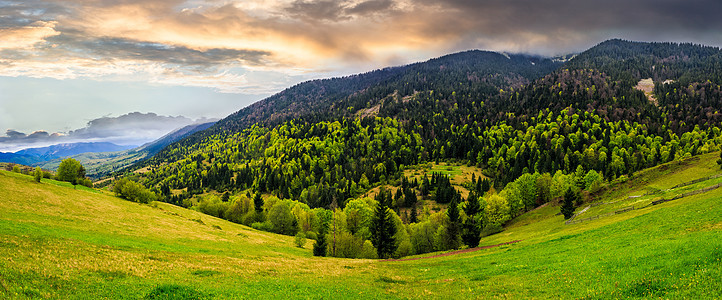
x=300, y=162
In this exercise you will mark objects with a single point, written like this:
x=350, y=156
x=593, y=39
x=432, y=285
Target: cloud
x=26, y=37
x=130, y=129
x=221, y=44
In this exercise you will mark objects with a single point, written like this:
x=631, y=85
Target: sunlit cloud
x=220, y=43
x=26, y=37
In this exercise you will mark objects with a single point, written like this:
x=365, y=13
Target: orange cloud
x=27, y=37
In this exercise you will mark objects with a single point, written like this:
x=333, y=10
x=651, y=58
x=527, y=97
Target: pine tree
x=472, y=225
x=568, y=207
x=319, y=247
x=258, y=203
x=383, y=227
x=452, y=230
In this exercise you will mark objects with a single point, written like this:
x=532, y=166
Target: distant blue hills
x=35, y=155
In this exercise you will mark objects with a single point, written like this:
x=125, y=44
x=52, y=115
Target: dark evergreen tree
x=453, y=228
x=472, y=225
x=319, y=247
x=258, y=203
x=383, y=227
x=568, y=206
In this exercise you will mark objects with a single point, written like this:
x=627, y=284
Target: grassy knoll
x=56, y=242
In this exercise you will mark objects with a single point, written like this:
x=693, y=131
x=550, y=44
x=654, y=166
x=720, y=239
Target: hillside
x=63, y=243
x=534, y=138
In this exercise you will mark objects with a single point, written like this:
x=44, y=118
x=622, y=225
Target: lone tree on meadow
x=38, y=174
x=71, y=170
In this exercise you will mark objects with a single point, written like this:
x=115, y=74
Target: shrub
x=300, y=240
x=133, y=191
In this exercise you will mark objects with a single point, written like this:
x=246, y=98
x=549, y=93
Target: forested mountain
x=536, y=127
x=478, y=74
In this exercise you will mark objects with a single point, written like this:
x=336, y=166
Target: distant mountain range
x=99, y=164
x=35, y=155
x=99, y=158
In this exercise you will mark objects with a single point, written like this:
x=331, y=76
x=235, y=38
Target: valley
x=472, y=175
x=57, y=242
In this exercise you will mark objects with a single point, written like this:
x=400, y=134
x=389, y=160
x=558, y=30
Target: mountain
x=517, y=118
x=69, y=149
x=100, y=164
x=472, y=73
x=35, y=155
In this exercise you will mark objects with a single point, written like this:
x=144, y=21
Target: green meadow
x=60, y=242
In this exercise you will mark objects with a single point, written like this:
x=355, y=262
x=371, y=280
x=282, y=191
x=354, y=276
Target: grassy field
x=57, y=242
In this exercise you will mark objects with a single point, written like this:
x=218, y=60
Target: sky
x=64, y=64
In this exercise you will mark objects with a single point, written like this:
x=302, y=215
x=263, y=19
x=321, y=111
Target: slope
x=63, y=243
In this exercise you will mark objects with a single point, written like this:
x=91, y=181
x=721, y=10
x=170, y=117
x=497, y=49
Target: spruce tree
x=383, y=227
x=258, y=203
x=453, y=229
x=568, y=207
x=472, y=225
x=319, y=247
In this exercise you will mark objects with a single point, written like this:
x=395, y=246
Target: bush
x=368, y=250
x=300, y=240
x=133, y=191
x=263, y=226
x=492, y=228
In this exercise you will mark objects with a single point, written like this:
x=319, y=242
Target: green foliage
x=71, y=170
x=497, y=210
x=570, y=197
x=300, y=240
x=38, y=174
x=592, y=179
x=133, y=191
x=282, y=219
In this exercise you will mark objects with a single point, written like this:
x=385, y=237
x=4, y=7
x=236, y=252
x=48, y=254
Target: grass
x=56, y=242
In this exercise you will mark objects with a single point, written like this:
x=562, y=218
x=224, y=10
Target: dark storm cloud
x=129, y=128
x=567, y=25
x=370, y=7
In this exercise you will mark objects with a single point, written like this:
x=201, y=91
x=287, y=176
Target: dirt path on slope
x=454, y=252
